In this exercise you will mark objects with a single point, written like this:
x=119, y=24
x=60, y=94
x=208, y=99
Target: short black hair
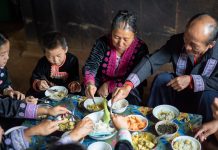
x=3, y=39
x=126, y=17
x=52, y=40
x=213, y=28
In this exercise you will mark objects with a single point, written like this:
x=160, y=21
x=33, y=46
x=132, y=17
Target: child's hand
x=15, y=94
x=44, y=128
x=74, y=86
x=83, y=128
x=42, y=85
x=207, y=129
x=57, y=110
x=31, y=99
x=119, y=121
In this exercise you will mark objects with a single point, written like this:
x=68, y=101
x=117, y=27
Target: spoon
x=93, y=99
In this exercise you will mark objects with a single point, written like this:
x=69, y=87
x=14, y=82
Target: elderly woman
x=113, y=57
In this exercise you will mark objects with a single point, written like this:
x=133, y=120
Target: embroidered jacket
x=56, y=75
x=11, y=108
x=103, y=65
x=4, y=79
x=204, y=72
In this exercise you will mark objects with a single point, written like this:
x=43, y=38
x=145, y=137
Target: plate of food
x=69, y=122
x=136, y=123
x=165, y=112
x=102, y=131
x=185, y=143
x=119, y=106
x=56, y=92
x=91, y=107
x=144, y=140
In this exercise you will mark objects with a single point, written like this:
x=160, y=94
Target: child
x=57, y=67
x=5, y=83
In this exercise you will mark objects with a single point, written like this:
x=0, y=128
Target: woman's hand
x=58, y=110
x=42, y=85
x=121, y=93
x=83, y=128
x=103, y=90
x=74, y=86
x=90, y=90
x=31, y=99
x=207, y=129
x=44, y=128
x=119, y=121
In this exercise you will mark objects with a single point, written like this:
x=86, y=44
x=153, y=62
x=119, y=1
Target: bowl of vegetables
x=93, y=107
x=165, y=112
x=144, y=141
x=69, y=122
x=166, y=128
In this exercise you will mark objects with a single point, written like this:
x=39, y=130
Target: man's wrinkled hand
x=180, y=83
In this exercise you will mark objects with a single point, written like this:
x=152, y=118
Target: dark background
x=83, y=21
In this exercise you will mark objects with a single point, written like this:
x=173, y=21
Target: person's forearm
x=42, y=111
x=28, y=133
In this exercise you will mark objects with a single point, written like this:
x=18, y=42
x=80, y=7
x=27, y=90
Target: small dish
x=166, y=128
x=119, y=106
x=185, y=143
x=165, y=112
x=137, y=123
x=99, y=146
x=56, y=93
x=91, y=107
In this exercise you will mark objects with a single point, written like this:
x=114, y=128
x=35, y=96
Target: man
x=194, y=55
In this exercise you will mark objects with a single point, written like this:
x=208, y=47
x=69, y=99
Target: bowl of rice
x=119, y=106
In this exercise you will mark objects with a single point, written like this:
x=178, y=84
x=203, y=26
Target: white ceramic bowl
x=67, y=133
x=166, y=123
x=99, y=146
x=95, y=117
x=89, y=101
x=165, y=112
x=14, y=128
x=119, y=106
x=59, y=94
x=141, y=118
x=182, y=141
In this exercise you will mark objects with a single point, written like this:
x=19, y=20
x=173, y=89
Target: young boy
x=5, y=83
x=57, y=67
